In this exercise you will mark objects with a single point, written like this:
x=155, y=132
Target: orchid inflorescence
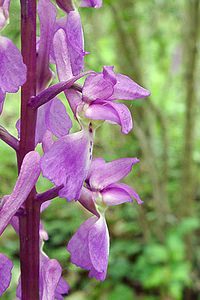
x=67, y=159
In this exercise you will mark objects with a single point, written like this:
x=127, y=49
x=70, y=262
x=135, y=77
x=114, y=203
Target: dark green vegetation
x=155, y=249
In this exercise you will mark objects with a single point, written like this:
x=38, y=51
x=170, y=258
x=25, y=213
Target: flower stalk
x=29, y=222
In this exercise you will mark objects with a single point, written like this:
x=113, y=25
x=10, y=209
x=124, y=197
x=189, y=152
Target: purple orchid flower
x=99, y=92
x=4, y=13
x=91, y=3
x=6, y=266
x=12, y=69
x=89, y=247
x=29, y=173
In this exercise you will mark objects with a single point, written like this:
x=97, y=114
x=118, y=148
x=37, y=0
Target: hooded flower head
x=89, y=247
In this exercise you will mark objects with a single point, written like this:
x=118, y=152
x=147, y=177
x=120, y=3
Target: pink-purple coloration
x=67, y=158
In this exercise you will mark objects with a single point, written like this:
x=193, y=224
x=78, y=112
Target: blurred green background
x=155, y=249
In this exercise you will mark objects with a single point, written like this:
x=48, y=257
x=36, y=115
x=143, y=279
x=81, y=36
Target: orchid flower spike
x=89, y=246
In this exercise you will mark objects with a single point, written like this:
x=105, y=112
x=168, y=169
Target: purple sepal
x=116, y=113
x=68, y=46
x=89, y=247
x=111, y=86
x=12, y=68
x=91, y=3
x=6, y=266
x=127, y=89
x=29, y=173
x=118, y=193
x=47, y=15
x=75, y=42
x=67, y=162
x=110, y=172
x=61, y=55
x=53, y=286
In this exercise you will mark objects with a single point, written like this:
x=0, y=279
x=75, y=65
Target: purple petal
x=99, y=248
x=6, y=266
x=4, y=12
x=89, y=247
x=108, y=74
x=95, y=165
x=2, y=98
x=113, y=112
x=62, y=56
x=57, y=119
x=74, y=98
x=75, y=42
x=47, y=16
x=78, y=245
x=41, y=127
x=52, y=116
x=65, y=5
x=61, y=289
x=27, y=178
x=87, y=201
x=113, y=195
x=96, y=87
x=111, y=172
x=67, y=162
x=51, y=273
x=132, y=193
x=91, y=3
x=47, y=141
x=127, y=89
x=12, y=68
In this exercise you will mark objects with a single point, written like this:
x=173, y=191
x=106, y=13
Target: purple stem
x=29, y=222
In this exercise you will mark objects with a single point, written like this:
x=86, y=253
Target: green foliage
x=154, y=251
